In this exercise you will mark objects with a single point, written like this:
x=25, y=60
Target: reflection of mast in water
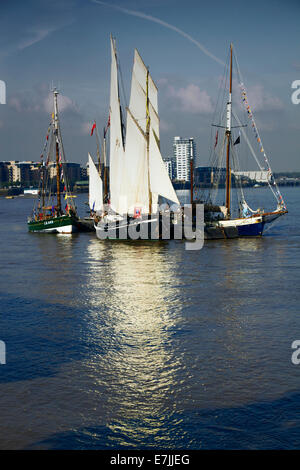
x=139, y=364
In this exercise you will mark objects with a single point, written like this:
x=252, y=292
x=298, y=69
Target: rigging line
x=247, y=140
x=276, y=192
x=254, y=155
x=219, y=158
x=222, y=91
x=238, y=179
x=64, y=162
x=215, y=158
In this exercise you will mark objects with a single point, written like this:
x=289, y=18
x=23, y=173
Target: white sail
x=160, y=182
x=95, y=187
x=132, y=171
x=144, y=169
x=136, y=185
x=138, y=95
x=116, y=140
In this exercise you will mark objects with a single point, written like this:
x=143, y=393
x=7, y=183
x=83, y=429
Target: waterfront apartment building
x=15, y=172
x=27, y=173
x=3, y=173
x=72, y=170
x=184, y=149
x=259, y=176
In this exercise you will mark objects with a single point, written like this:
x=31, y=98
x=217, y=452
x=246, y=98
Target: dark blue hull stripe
x=251, y=230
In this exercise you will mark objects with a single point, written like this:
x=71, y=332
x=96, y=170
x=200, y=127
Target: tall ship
x=225, y=218
x=50, y=213
x=138, y=179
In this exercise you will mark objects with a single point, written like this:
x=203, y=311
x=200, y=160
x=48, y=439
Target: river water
x=145, y=345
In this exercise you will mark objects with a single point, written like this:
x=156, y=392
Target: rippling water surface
x=145, y=345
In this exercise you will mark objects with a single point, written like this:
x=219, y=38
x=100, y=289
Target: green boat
x=48, y=215
x=60, y=224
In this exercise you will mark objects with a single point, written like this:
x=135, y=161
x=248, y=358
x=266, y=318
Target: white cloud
x=40, y=101
x=261, y=100
x=192, y=99
x=86, y=128
x=164, y=125
x=22, y=103
x=64, y=103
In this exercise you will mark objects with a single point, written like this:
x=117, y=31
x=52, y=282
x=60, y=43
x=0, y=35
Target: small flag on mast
x=107, y=126
x=93, y=128
x=238, y=140
x=216, y=142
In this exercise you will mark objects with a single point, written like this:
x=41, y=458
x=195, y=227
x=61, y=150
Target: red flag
x=216, y=142
x=93, y=128
x=107, y=126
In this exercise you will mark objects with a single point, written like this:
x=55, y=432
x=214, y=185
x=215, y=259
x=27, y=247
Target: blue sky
x=67, y=42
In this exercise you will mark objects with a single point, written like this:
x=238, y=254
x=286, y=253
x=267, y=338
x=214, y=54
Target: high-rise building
x=168, y=165
x=184, y=150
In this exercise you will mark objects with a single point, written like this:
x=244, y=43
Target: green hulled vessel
x=59, y=224
x=48, y=215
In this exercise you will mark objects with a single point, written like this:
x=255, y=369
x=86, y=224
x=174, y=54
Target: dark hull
x=239, y=228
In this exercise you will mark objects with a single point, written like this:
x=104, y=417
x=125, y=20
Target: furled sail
x=95, y=187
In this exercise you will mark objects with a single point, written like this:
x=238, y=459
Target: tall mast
x=43, y=186
x=55, y=94
x=228, y=134
x=98, y=150
x=147, y=139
